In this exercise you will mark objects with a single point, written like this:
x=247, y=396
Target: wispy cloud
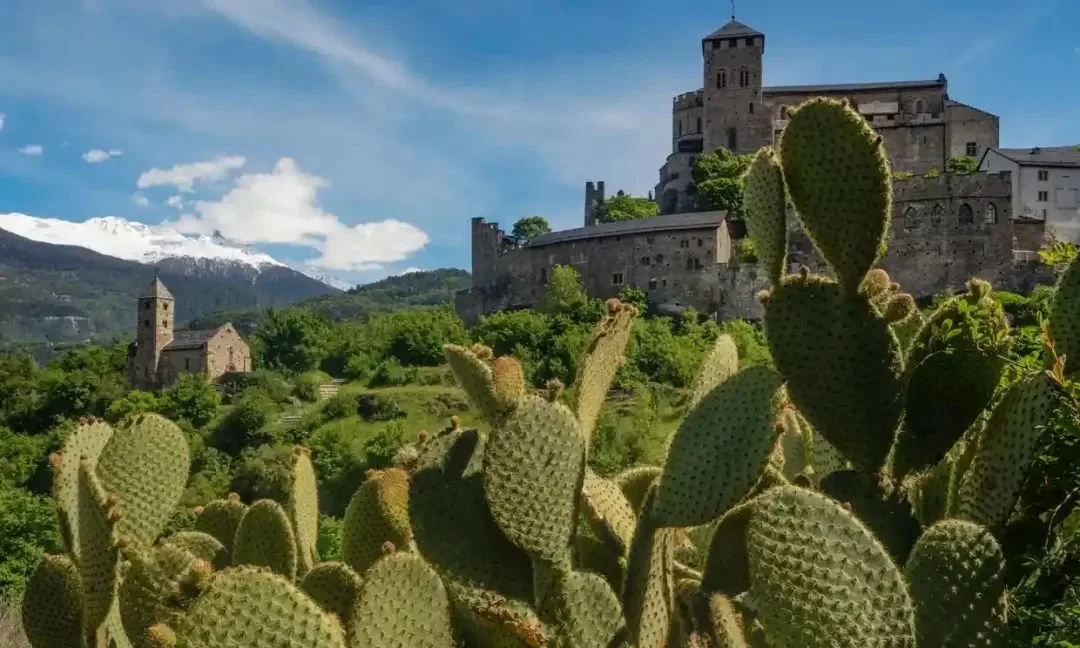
x=97, y=156
x=2, y=121
x=32, y=150
x=184, y=176
x=1009, y=27
x=140, y=200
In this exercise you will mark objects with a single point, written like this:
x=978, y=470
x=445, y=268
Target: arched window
x=991, y=214
x=751, y=107
x=690, y=263
x=721, y=78
x=732, y=139
x=935, y=215
x=783, y=112
x=965, y=216
x=920, y=106
x=911, y=218
x=744, y=77
x=699, y=124
x=678, y=128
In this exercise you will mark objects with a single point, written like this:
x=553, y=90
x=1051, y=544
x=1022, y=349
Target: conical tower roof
x=733, y=29
x=156, y=289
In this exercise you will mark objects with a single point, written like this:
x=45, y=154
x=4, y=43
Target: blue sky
x=362, y=136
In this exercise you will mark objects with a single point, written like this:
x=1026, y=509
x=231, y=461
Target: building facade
x=920, y=125
x=159, y=354
x=1046, y=185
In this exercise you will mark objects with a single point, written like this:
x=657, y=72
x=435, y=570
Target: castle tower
x=735, y=117
x=594, y=197
x=154, y=331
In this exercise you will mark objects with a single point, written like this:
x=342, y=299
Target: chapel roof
x=734, y=29
x=156, y=289
x=190, y=339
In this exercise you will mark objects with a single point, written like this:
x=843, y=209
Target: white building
x=1046, y=185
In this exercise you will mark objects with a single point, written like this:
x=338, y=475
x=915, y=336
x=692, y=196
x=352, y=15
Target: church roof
x=156, y=289
x=1048, y=156
x=189, y=339
x=665, y=223
x=733, y=29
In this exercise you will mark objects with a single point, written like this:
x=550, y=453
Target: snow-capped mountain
x=132, y=241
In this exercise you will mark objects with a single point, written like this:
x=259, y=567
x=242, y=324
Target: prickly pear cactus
x=1064, y=320
x=265, y=539
x=221, y=518
x=765, y=202
x=377, y=513
x=402, y=604
x=52, y=605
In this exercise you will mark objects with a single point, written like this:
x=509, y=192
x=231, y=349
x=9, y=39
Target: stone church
x=160, y=354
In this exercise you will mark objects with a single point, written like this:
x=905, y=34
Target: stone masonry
x=945, y=227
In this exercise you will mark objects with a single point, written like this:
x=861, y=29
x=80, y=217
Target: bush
x=271, y=383
x=263, y=472
x=380, y=448
x=134, y=402
x=191, y=398
x=378, y=407
x=242, y=426
x=28, y=527
x=446, y=404
x=306, y=385
x=339, y=406
x=390, y=373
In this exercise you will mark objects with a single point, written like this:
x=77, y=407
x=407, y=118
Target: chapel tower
x=735, y=117
x=153, y=332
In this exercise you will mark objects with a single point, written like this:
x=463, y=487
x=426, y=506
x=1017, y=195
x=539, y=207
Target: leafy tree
x=291, y=341
x=635, y=296
x=20, y=456
x=28, y=528
x=191, y=398
x=528, y=228
x=564, y=292
x=962, y=164
x=134, y=402
x=718, y=181
x=746, y=251
x=624, y=207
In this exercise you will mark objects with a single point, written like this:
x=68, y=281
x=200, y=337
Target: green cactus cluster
x=855, y=495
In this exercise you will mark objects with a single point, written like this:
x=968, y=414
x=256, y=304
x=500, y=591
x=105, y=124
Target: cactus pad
x=856, y=597
x=842, y=364
x=602, y=359
x=246, y=607
x=533, y=470
x=957, y=576
x=635, y=483
x=201, y=545
x=888, y=516
x=839, y=179
x=587, y=611
x=725, y=623
x=265, y=538
x=85, y=442
x=335, y=587
x=402, y=604
x=649, y=590
x=474, y=376
x=1064, y=320
x=721, y=364
x=1006, y=448
x=159, y=582
x=52, y=604
x=954, y=367
x=608, y=512
x=146, y=465
x=720, y=449
x=99, y=550
x=220, y=518
x=508, y=380
x=727, y=569
x=765, y=202
x=303, y=509
x=377, y=513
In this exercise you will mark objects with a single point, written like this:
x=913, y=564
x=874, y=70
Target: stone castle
x=946, y=227
x=159, y=354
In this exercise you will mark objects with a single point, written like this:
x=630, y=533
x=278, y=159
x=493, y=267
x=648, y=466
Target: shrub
x=446, y=404
x=306, y=385
x=242, y=426
x=378, y=407
x=339, y=406
x=192, y=398
x=390, y=373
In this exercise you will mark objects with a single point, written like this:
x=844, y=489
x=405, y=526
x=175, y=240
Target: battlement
x=688, y=100
x=945, y=186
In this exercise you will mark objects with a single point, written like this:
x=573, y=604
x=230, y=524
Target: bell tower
x=153, y=332
x=735, y=117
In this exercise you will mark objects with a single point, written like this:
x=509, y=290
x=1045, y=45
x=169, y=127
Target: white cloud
x=410, y=270
x=184, y=176
x=2, y=121
x=32, y=149
x=176, y=201
x=140, y=200
x=94, y=156
x=282, y=207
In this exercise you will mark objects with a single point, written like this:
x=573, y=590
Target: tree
x=564, y=292
x=291, y=341
x=191, y=398
x=624, y=207
x=528, y=228
x=718, y=181
x=635, y=296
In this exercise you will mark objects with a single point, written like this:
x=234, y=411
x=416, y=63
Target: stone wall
x=226, y=352
x=970, y=125
x=176, y=362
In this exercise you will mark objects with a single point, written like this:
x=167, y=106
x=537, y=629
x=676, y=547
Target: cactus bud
x=763, y=296
x=234, y=497
x=899, y=307
x=198, y=510
x=554, y=390
x=455, y=421
x=483, y=352
x=388, y=548
x=55, y=460
x=160, y=636
x=508, y=380
x=613, y=305
x=423, y=437
x=876, y=282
